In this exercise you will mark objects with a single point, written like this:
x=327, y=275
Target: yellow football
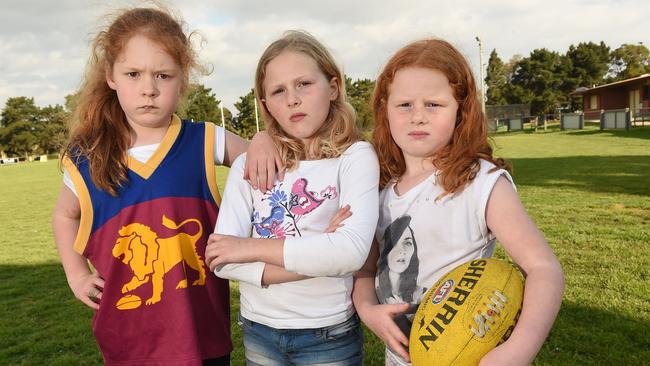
x=128, y=302
x=467, y=313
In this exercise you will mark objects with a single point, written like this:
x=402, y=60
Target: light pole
x=223, y=120
x=480, y=69
x=257, y=122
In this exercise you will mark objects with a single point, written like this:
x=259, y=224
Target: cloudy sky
x=44, y=44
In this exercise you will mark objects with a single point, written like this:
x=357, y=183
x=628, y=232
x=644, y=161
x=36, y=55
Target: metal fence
x=640, y=116
x=495, y=112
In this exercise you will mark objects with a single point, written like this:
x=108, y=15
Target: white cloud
x=44, y=44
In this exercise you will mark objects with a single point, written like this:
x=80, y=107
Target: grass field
x=588, y=191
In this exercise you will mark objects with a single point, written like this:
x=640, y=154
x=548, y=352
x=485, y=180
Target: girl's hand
x=226, y=249
x=88, y=288
x=337, y=220
x=379, y=319
x=262, y=162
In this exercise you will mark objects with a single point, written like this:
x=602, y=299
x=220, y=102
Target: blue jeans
x=335, y=345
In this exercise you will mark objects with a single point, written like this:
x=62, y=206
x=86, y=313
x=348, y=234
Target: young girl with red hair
x=445, y=199
x=140, y=198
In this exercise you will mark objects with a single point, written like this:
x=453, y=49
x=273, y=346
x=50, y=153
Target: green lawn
x=588, y=190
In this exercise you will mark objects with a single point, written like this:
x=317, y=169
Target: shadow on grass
x=42, y=324
x=591, y=129
x=585, y=335
x=635, y=132
x=602, y=174
x=527, y=131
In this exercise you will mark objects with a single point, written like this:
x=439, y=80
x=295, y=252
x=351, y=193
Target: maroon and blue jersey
x=160, y=303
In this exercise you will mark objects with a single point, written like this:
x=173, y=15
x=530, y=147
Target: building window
x=593, y=102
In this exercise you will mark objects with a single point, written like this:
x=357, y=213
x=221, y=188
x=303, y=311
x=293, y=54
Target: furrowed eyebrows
x=166, y=71
x=139, y=68
x=293, y=80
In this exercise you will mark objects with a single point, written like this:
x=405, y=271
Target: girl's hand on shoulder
x=379, y=319
x=262, y=162
x=88, y=289
x=226, y=249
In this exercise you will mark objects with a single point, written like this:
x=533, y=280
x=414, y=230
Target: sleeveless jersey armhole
x=86, y=221
x=210, y=173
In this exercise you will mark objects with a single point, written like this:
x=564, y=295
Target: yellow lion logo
x=150, y=257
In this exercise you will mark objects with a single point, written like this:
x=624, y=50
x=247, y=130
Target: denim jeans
x=335, y=345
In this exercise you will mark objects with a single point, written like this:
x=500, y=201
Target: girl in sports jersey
x=295, y=281
x=437, y=170
x=140, y=199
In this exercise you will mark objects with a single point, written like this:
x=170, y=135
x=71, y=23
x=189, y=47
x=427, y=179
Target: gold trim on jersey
x=210, y=173
x=145, y=170
x=86, y=220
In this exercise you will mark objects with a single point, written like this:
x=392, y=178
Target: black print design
x=398, y=269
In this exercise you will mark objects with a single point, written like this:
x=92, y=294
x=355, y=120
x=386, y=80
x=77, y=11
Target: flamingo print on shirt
x=303, y=201
x=287, y=210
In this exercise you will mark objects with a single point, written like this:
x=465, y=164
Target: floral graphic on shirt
x=287, y=210
x=272, y=225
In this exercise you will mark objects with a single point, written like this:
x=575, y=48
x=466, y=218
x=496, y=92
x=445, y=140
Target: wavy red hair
x=100, y=130
x=458, y=162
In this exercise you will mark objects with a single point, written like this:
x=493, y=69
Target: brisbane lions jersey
x=160, y=303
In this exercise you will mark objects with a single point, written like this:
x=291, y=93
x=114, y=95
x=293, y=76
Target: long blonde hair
x=100, y=131
x=339, y=130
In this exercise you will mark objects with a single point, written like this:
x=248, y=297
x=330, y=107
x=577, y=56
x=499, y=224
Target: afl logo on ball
x=442, y=291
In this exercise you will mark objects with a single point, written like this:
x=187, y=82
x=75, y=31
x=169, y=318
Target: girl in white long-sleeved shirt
x=296, y=280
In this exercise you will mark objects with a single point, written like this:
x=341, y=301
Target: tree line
x=544, y=80
x=26, y=129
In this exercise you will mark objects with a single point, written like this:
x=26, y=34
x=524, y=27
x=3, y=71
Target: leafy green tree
x=71, y=101
x=511, y=65
x=538, y=80
x=513, y=94
x=244, y=125
x=227, y=118
x=360, y=95
x=201, y=105
x=19, y=138
x=589, y=64
x=496, y=80
x=19, y=126
x=628, y=61
x=18, y=109
x=51, y=130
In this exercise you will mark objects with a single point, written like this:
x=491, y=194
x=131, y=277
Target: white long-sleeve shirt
x=299, y=210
